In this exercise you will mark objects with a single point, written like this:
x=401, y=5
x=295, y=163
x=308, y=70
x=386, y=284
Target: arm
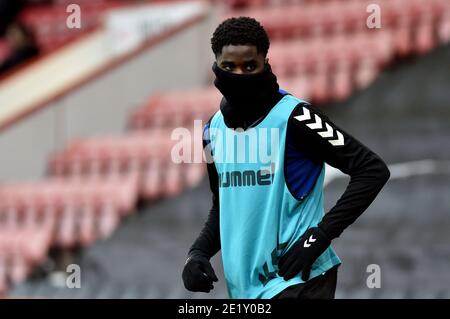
x=198, y=273
x=368, y=173
x=315, y=135
x=207, y=243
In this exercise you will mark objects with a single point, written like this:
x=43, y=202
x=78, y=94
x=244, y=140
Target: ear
x=266, y=60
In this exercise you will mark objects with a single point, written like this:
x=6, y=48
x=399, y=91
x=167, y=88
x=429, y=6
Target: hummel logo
x=307, y=242
x=326, y=132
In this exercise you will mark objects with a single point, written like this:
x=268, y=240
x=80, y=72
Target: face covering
x=248, y=96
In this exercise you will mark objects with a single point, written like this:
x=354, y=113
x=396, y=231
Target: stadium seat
x=341, y=86
x=3, y=277
x=298, y=86
x=67, y=208
x=424, y=40
x=444, y=28
x=20, y=251
x=108, y=221
x=365, y=73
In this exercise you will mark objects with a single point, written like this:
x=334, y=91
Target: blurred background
x=88, y=103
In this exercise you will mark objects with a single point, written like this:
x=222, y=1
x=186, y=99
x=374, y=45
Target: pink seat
x=320, y=85
x=298, y=86
x=4, y=50
x=174, y=109
x=341, y=81
x=68, y=211
x=443, y=28
x=173, y=180
x=18, y=268
x=193, y=174
x=86, y=225
x=3, y=277
x=65, y=231
x=424, y=38
x=365, y=73
x=107, y=222
x=402, y=38
x=35, y=243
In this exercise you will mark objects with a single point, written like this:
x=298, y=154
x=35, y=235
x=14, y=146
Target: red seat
x=65, y=231
x=365, y=73
x=3, y=277
x=86, y=225
x=424, y=38
x=298, y=86
x=151, y=180
x=194, y=173
x=4, y=50
x=20, y=250
x=66, y=207
x=444, y=27
x=108, y=220
x=341, y=86
x=320, y=90
x=402, y=38
x=177, y=108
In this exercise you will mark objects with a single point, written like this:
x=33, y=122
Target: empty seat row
x=324, y=85
x=20, y=251
x=311, y=20
x=74, y=212
x=236, y=4
x=299, y=56
x=118, y=191
x=176, y=108
x=49, y=22
x=151, y=155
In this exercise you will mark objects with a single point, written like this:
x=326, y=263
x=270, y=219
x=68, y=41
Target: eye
x=227, y=68
x=250, y=67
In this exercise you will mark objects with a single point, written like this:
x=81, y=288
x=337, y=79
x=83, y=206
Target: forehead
x=239, y=53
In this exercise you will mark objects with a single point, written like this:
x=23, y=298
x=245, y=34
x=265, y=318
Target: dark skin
x=241, y=59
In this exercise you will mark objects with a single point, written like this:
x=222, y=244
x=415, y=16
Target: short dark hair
x=240, y=31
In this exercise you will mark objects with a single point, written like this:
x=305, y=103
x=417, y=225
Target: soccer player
x=268, y=219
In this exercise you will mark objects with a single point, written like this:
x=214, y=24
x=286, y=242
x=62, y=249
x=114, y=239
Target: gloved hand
x=303, y=254
x=198, y=274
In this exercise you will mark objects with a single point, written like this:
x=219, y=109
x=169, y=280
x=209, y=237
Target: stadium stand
x=48, y=21
x=145, y=153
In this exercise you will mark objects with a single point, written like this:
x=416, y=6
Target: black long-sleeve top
x=313, y=134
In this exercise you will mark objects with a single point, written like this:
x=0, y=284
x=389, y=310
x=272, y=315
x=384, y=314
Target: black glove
x=303, y=254
x=198, y=274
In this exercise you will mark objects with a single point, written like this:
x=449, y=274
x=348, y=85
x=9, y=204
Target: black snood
x=248, y=96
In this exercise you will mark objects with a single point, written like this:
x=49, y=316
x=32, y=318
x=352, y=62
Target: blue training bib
x=260, y=219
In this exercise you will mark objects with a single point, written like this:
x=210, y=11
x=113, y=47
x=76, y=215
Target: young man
x=268, y=219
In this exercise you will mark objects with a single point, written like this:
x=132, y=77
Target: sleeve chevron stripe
x=333, y=136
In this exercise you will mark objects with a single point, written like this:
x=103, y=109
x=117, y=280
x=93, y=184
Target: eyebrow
x=252, y=60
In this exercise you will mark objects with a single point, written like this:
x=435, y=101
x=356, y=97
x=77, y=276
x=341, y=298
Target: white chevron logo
x=306, y=116
x=318, y=127
x=328, y=132
x=339, y=140
x=308, y=241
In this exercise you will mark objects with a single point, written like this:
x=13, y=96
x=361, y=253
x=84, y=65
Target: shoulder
x=314, y=126
x=207, y=126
